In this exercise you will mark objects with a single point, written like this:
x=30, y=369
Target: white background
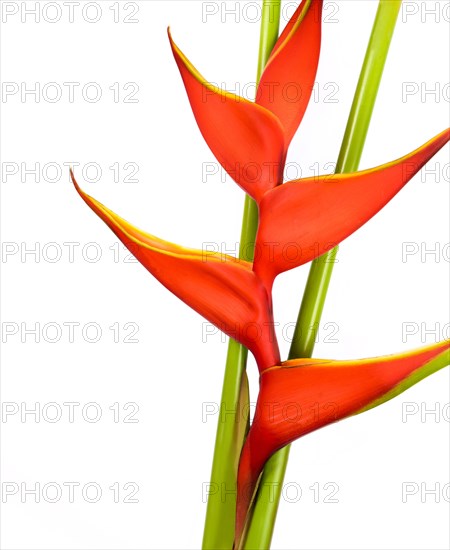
x=171, y=373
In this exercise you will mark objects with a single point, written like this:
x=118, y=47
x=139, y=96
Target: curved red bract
x=305, y=218
x=246, y=139
x=250, y=140
x=303, y=395
x=287, y=82
x=221, y=288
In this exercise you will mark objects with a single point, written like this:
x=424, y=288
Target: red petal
x=303, y=395
x=303, y=219
x=221, y=288
x=288, y=79
x=246, y=138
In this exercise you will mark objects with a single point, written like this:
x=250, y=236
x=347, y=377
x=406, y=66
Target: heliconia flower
x=305, y=218
x=223, y=289
x=302, y=395
x=250, y=140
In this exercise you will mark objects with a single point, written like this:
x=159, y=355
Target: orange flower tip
x=169, y=34
x=172, y=42
x=436, y=142
x=74, y=181
x=90, y=201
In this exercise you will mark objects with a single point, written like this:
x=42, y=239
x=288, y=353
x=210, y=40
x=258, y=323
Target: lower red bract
x=303, y=395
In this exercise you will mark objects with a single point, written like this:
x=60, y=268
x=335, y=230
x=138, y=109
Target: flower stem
x=260, y=532
x=231, y=429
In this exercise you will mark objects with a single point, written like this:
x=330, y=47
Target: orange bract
x=287, y=82
x=246, y=139
x=250, y=140
x=221, y=288
x=303, y=395
x=305, y=218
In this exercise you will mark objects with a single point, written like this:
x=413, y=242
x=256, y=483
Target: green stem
x=262, y=524
x=221, y=509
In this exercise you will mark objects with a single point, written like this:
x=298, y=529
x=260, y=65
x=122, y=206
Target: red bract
x=246, y=139
x=305, y=218
x=221, y=288
x=287, y=82
x=250, y=140
x=303, y=395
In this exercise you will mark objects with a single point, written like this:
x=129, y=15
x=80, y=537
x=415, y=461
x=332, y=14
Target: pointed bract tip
x=74, y=181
